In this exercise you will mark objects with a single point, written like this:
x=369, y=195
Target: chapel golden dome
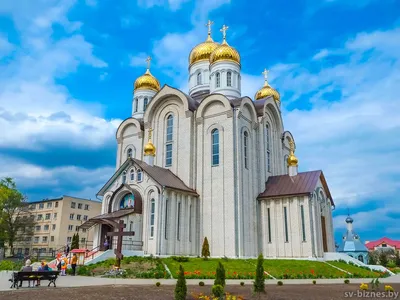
x=267, y=90
x=149, y=149
x=224, y=52
x=292, y=160
x=147, y=81
x=203, y=51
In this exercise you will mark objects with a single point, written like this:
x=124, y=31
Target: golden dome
x=292, y=160
x=224, y=52
x=149, y=148
x=147, y=82
x=267, y=90
x=202, y=51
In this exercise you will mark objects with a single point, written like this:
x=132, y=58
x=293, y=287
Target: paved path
x=77, y=281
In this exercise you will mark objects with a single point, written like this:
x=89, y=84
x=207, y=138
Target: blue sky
x=67, y=68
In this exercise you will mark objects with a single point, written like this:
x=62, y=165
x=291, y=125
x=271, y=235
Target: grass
x=356, y=271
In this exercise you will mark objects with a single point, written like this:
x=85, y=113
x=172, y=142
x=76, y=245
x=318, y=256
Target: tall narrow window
x=229, y=78
x=132, y=174
x=217, y=80
x=215, y=147
x=303, y=225
x=152, y=214
x=139, y=175
x=169, y=139
x=145, y=103
x=129, y=153
x=166, y=220
x=136, y=104
x=245, y=145
x=267, y=144
x=198, y=78
x=178, y=231
x=190, y=223
x=124, y=177
x=286, y=224
x=269, y=225
x=286, y=165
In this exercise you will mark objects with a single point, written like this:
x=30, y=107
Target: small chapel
x=211, y=162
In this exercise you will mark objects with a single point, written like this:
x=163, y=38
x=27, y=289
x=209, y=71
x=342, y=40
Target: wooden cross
x=120, y=233
x=150, y=132
x=209, y=23
x=148, y=60
x=265, y=73
x=223, y=30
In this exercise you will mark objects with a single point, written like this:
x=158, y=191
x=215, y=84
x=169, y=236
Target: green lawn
x=356, y=271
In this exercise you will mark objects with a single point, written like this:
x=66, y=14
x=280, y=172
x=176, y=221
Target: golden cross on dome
x=148, y=60
x=150, y=131
x=265, y=73
x=209, y=23
x=223, y=30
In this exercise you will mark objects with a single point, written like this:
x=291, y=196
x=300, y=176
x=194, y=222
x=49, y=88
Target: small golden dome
x=202, y=51
x=149, y=148
x=292, y=160
x=267, y=90
x=224, y=52
x=147, y=82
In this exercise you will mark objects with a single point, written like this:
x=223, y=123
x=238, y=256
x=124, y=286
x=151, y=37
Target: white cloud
x=353, y=139
x=92, y=3
x=139, y=60
x=173, y=5
x=5, y=46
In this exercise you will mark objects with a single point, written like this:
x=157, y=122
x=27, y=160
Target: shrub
x=391, y=264
x=259, y=281
x=242, y=283
x=314, y=282
x=158, y=283
x=346, y=281
x=220, y=275
x=280, y=283
x=180, y=258
x=205, y=250
x=201, y=283
x=218, y=290
x=181, y=288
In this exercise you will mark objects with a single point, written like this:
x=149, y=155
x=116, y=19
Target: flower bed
x=357, y=272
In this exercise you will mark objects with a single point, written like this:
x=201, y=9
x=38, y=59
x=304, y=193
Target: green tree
x=259, y=282
x=371, y=259
x=75, y=242
x=16, y=219
x=205, y=250
x=181, y=288
x=220, y=275
x=383, y=258
x=397, y=260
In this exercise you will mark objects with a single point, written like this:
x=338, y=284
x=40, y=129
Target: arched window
x=361, y=258
x=166, y=223
x=124, y=177
x=127, y=202
x=268, y=146
x=229, y=78
x=152, y=214
x=129, y=153
x=199, y=78
x=139, y=175
x=217, y=80
x=215, y=147
x=132, y=172
x=245, y=145
x=285, y=164
x=136, y=104
x=169, y=140
x=145, y=103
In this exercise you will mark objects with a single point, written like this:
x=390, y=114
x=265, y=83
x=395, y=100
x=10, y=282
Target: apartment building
x=57, y=220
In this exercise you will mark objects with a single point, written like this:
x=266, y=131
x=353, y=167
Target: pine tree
x=181, y=288
x=397, y=260
x=259, y=282
x=77, y=241
x=220, y=275
x=205, y=250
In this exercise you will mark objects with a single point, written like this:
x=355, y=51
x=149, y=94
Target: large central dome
x=202, y=51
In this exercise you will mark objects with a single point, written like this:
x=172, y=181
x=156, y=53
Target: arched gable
x=119, y=193
x=130, y=123
x=165, y=93
x=271, y=108
x=248, y=109
x=286, y=138
x=214, y=99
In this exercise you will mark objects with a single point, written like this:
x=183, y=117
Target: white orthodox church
x=212, y=163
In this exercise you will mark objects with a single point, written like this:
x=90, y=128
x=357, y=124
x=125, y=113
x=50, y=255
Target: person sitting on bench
x=43, y=267
x=26, y=268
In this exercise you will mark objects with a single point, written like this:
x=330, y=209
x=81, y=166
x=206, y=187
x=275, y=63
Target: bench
x=51, y=276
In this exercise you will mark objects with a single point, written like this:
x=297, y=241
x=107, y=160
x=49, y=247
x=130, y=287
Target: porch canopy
x=108, y=219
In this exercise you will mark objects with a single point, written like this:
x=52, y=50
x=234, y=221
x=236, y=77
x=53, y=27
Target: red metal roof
x=371, y=245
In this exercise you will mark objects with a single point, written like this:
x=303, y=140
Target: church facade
x=215, y=164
